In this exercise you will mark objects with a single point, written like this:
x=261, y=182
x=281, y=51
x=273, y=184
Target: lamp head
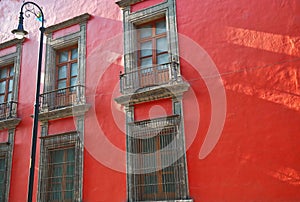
x=20, y=32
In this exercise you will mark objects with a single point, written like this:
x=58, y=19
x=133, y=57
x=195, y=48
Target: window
x=156, y=160
x=6, y=83
x=10, y=64
x=153, y=56
x=65, y=66
x=61, y=174
x=153, y=45
x=60, y=168
x=2, y=177
x=67, y=73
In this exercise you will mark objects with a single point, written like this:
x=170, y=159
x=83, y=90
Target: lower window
x=60, y=160
x=157, y=167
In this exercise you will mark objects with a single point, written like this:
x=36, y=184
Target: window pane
x=9, y=97
x=161, y=45
x=146, y=49
x=3, y=73
x=63, y=56
x=146, y=62
x=12, y=72
x=73, y=82
x=57, y=156
x=62, y=84
x=162, y=59
x=62, y=72
x=2, y=86
x=10, y=85
x=74, y=68
x=1, y=99
x=74, y=54
x=160, y=27
x=145, y=31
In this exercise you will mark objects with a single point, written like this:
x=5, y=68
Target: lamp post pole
x=21, y=32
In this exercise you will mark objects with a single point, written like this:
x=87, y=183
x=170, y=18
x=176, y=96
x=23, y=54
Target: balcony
x=8, y=115
x=62, y=103
x=155, y=82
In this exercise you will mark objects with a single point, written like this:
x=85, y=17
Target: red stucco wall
x=249, y=50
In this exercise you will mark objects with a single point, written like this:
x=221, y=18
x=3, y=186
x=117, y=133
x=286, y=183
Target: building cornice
x=76, y=20
x=125, y=3
x=10, y=43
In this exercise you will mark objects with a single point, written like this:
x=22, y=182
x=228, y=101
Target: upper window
x=67, y=68
x=10, y=64
x=153, y=45
x=6, y=83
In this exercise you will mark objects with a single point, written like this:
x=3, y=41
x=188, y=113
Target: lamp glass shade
x=19, y=32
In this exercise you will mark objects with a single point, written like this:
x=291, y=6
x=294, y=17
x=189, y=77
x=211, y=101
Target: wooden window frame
x=7, y=80
x=68, y=65
x=153, y=38
x=63, y=181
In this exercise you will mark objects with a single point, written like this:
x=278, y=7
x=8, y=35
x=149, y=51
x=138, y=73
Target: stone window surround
x=6, y=150
x=166, y=9
x=79, y=147
x=52, y=45
x=12, y=58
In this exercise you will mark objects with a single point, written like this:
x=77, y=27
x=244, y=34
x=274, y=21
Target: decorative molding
x=10, y=43
x=153, y=93
x=9, y=123
x=76, y=20
x=76, y=110
x=125, y=3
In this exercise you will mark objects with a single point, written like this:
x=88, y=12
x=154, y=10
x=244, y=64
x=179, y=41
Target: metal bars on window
x=157, y=166
x=59, y=178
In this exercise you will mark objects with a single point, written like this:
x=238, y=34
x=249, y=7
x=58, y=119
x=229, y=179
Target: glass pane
x=74, y=68
x=145, y=31
x=73, y=81
x=163, y=59
x=74, y=54
x=2, y=86
x=3, y=73
x=146, y=49
x=1, y=99
x=161, y=45
x=57, y=156
x=70, y=154
x=160, y=27
x=62, y=72
x=9, y=97
x=2, y=164
x=62, y=84
x=146, y=62
x=10, y=85
x=63, y=56
x=12, y=72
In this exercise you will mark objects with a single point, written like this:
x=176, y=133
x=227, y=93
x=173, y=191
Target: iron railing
x=148, y=76
x=62, y=97
x=8, y=110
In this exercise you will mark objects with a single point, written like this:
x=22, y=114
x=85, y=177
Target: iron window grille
x=157, y=166
x=60, y=168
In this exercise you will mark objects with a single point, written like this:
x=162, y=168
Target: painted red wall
x=254, y=47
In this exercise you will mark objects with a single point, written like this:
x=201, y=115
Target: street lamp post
x=20, y=33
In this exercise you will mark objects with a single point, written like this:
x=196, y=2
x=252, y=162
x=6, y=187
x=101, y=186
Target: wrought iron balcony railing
x=8, y=110
x=60, y=98
x=148, y=76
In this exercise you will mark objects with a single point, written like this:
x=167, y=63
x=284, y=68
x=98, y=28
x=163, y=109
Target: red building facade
x=153, y=100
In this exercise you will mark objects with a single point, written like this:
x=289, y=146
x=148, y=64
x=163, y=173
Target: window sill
x=154, y=93
x=9, y=123
x=178, y=200
x=75, y=110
